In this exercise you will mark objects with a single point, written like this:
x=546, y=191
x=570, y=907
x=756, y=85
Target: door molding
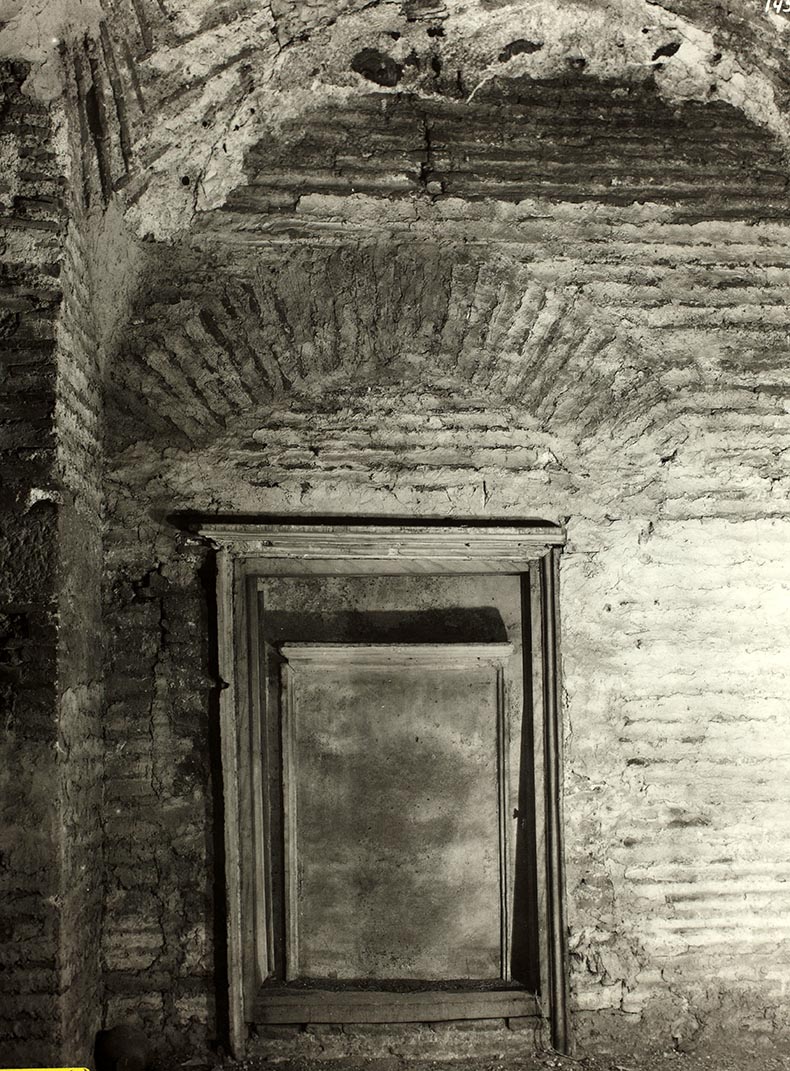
x=247, y=552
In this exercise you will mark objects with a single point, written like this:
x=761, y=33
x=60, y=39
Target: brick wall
x=621, y=369
x=51, y=550
x=159, y=849
x=32, y=222
x=363, y=330
x=80, y=674
x=98, y=273
x=677, y=846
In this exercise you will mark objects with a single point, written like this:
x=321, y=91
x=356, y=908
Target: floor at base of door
x=701, y=1059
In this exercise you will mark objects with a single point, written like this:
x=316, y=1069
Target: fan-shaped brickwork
x=628, y=354
x=450, y=259
x=209, y=353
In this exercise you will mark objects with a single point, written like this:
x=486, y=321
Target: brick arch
x=345, y=367
x=213, y=346
x=631, y=372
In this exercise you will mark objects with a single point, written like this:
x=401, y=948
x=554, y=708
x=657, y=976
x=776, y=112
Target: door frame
x=247, y=552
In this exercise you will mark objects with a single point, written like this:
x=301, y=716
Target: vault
x=519, y=139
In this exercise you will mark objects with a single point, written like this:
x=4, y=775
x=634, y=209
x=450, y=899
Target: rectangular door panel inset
x=393, y=762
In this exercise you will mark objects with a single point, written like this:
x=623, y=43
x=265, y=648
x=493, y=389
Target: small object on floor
x=122, y=1048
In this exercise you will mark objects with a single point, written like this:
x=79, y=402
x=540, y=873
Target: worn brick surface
x=50, y=604
x=30, y=297
x=80, y=668
x=466, y=261
x=625, y=374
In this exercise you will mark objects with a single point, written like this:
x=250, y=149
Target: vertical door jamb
x=228, y=627
x=555, y=869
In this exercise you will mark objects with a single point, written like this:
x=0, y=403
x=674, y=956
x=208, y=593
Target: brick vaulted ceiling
x=563, y=139
x=186, y=101
x=448, y=207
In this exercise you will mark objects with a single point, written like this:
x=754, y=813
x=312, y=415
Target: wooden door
x=394, y=730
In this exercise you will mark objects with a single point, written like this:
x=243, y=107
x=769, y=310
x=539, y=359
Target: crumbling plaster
x=606, y=367
x=244, y=101
x=219, y=79
x=612, y=367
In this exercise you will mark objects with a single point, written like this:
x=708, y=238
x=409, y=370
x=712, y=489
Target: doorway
x=391, y=755
x=395, y=716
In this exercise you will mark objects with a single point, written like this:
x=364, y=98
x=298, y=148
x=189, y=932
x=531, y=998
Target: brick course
x=31, y=297
x=441, y=301
x=624, y=375
x=50, y=603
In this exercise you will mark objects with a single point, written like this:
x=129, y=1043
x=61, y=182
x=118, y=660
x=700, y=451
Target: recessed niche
x=390, y=762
